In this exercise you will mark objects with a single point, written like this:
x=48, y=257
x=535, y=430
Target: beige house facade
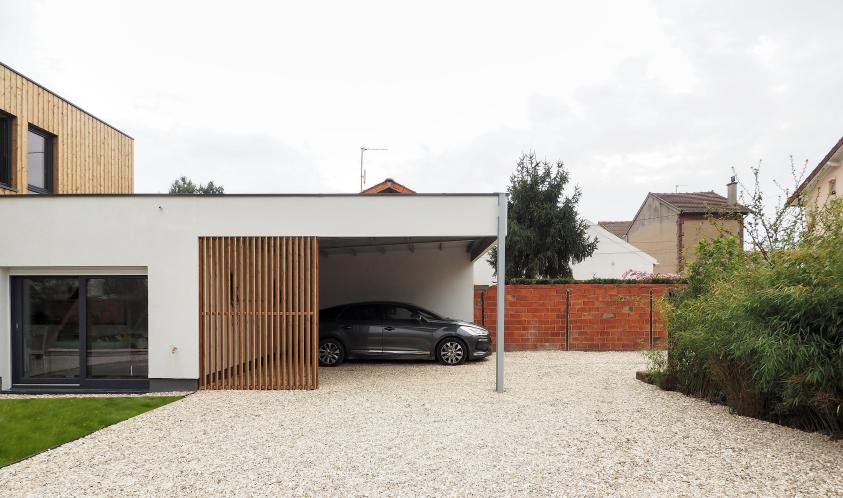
x=823, y=183
x=669, y=226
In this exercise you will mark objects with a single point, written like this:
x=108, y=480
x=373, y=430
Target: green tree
x=545, y=233
x=185, y=185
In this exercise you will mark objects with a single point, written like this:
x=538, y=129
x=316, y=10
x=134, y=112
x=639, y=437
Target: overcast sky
x=634, y=96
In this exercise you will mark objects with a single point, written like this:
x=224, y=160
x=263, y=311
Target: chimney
x=732, y=192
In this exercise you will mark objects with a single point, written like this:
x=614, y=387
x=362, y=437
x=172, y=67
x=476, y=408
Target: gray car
x=397, y=330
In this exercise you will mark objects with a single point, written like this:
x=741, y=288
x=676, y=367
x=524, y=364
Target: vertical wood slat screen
x=258, y=312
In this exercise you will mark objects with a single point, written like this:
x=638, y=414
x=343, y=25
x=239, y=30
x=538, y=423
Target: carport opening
x=432, y=273
x=260, y=299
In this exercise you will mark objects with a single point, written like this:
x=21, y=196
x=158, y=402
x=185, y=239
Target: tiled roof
x=698, y=202
x=388, y=186
x=617, y=228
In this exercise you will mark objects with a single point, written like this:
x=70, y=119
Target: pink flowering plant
x=647, y=275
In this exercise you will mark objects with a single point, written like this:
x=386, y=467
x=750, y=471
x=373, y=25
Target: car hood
x=459, y=323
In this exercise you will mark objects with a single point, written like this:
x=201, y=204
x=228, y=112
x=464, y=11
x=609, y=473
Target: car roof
x=359, y=303
x=395, y=303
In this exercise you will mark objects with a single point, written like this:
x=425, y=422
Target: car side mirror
x=415, y=317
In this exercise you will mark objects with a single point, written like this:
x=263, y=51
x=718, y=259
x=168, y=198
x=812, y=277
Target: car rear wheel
x=331, y=353
x=451, y=351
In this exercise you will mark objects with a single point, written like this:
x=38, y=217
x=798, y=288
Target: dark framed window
x=361, y=312
x=406, y=313
x=39, y=161
x=87, y=332
x=7, y=122
x=394, y=312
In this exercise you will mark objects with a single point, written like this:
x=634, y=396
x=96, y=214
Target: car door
x=405, y=331
x=361, y=329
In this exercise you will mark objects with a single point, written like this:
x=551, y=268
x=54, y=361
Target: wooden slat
x=253, y=315
x=263, y=316
x=238, y=253
x=288, y=313
x=308, y=317
x=273, y=346
x=258, y=314
x=283, y=318
x=212, y=305
x=296, y=308
x=226, y=283
x=314, y=308
x=202, y=308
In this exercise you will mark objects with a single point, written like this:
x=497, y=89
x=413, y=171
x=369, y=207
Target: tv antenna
x=363, y=171
x=677, y=187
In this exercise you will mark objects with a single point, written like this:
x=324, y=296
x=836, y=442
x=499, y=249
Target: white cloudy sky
x=634, y=96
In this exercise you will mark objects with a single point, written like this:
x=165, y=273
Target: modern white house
x=613, y=257
x=161, y=292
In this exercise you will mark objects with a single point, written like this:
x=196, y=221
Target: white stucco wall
x=160, y=234
x=440, y=281
x=613, y=257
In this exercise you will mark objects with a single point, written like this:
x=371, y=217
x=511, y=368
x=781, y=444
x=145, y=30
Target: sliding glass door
x=49, y=320
x=86, y=332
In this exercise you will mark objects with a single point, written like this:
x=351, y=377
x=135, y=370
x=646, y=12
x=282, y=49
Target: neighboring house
x=50, y=146
x=612, y=258
x=616, y=228
x=822, y=183
x=668, y=226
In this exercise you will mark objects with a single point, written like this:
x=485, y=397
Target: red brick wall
x=601, y=317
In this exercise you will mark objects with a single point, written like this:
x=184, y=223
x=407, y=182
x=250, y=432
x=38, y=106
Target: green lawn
x=32, y=425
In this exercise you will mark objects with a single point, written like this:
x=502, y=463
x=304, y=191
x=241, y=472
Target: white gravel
x=569, y=424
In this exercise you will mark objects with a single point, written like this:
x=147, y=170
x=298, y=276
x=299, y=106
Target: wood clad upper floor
x=48, y=145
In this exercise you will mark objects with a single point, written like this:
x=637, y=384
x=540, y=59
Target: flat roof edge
x=356, y=195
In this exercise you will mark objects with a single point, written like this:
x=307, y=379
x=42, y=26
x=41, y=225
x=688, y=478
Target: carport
x=249, y=272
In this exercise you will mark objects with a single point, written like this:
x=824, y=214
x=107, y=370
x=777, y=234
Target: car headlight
x=474, y=330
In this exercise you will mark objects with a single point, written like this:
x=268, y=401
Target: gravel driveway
x=569, y=424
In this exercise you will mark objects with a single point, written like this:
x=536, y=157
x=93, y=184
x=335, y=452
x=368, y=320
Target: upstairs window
x=6, y=126
x=39, y=161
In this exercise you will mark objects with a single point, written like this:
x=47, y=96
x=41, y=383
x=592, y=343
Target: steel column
x=500, y=332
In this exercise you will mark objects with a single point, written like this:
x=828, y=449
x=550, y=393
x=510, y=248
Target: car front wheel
x=451, y=352
x=331, y=353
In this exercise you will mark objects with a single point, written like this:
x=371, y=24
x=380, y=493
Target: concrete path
x=569, y=424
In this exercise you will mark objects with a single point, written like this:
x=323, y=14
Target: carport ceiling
x=475, y=246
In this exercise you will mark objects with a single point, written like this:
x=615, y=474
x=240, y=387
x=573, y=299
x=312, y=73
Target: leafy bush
x=763, y=335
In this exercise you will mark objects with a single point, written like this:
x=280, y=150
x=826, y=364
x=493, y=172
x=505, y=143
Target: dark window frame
x=83, y=382
x=7, y=129
x=49, y=165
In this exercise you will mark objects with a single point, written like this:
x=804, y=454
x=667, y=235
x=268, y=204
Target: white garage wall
x=46, y=234
x=440, y=281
